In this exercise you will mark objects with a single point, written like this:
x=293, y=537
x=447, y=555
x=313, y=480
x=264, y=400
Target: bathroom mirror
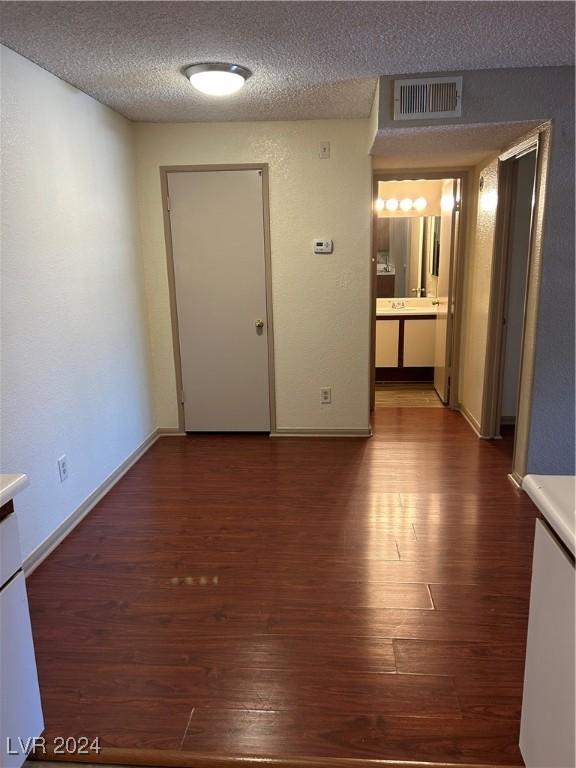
x=407, y=256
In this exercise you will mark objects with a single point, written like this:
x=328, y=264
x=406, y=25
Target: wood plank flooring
x=413, y=395
x=351, y=598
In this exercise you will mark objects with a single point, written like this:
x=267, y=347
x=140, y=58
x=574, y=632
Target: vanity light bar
x=406, y=204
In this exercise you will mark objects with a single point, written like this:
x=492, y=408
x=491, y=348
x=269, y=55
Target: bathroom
x=414, y=231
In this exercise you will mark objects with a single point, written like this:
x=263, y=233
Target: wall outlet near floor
x=325, y=395
x=63, y=468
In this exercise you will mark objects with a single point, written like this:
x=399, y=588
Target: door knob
x=259, y=324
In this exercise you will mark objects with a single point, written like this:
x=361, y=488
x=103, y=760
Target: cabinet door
x=387, y=343
x=419, y=343
x=547, y=728
x=20, y=709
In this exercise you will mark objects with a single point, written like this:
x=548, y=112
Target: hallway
x=302, y=597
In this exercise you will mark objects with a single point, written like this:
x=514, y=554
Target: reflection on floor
x=304, y=598
x=407, y=396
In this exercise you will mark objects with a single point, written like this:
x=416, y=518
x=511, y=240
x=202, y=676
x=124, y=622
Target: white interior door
x=217, y=224
x=449, y=221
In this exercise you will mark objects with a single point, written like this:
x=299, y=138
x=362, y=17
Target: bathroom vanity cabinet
x=405, y=346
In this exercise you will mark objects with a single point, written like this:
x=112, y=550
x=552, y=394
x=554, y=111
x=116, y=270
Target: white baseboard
x=471, y=421
x=321, y=433
x=170, y=432
x=56, y=537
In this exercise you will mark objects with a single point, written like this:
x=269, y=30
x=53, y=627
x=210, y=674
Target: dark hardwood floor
x=299, y=597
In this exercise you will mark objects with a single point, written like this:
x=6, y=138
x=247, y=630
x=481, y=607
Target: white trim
x=57, y=536
x=472, y=422
x=322, y=433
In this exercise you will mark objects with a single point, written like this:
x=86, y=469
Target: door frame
x=264, y=170
x=539, y=140
x=412, y=174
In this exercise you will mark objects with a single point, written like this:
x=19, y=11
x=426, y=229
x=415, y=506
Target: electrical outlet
x=324, y=151
x=63, y=468
x=325, y=395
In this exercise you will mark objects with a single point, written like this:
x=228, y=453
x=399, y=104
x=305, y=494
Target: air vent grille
x=427, y=97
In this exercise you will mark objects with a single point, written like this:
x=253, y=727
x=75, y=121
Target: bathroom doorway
x=416, y=224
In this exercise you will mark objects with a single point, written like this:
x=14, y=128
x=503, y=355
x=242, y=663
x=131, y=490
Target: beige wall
x=321, y=303
x=477, y=274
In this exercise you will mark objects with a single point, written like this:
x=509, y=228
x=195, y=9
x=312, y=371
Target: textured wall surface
x=552, y=427
x=492, y=96
x=478, y=269
x=75, y=359
x=321, y=303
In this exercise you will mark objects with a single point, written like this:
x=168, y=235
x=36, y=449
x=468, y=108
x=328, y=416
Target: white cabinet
x=21, y=718
x=419, y=341
x=547, y=728
x=387, y=333
x=20, y=709
x=10, y=557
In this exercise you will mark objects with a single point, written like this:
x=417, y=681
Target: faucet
x=398, y=305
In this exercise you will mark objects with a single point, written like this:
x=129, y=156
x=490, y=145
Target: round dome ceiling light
x=217, y=79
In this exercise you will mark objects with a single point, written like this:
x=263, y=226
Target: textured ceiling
x=310, y=59
x=444, y=146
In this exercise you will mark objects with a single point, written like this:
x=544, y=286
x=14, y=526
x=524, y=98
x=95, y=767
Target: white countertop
x=406, y=312
x=555, y=497
x=10, y=485
x=410, y=306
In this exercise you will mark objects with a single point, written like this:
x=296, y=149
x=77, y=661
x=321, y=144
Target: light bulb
x=379, y=204
x=392, y=204
x=406, y=204
x=420, y=203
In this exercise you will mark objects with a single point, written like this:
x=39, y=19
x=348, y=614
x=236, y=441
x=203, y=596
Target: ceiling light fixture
x=216, y=78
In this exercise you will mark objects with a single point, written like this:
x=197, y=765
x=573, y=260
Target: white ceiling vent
x=420, y=98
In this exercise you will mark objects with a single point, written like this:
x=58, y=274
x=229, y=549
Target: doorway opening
x=416, y=227
x=520, y=225
x=514, y=293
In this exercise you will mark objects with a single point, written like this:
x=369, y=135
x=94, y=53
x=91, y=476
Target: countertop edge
x=558, y=517
x=402, y=313
x=10, y=485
